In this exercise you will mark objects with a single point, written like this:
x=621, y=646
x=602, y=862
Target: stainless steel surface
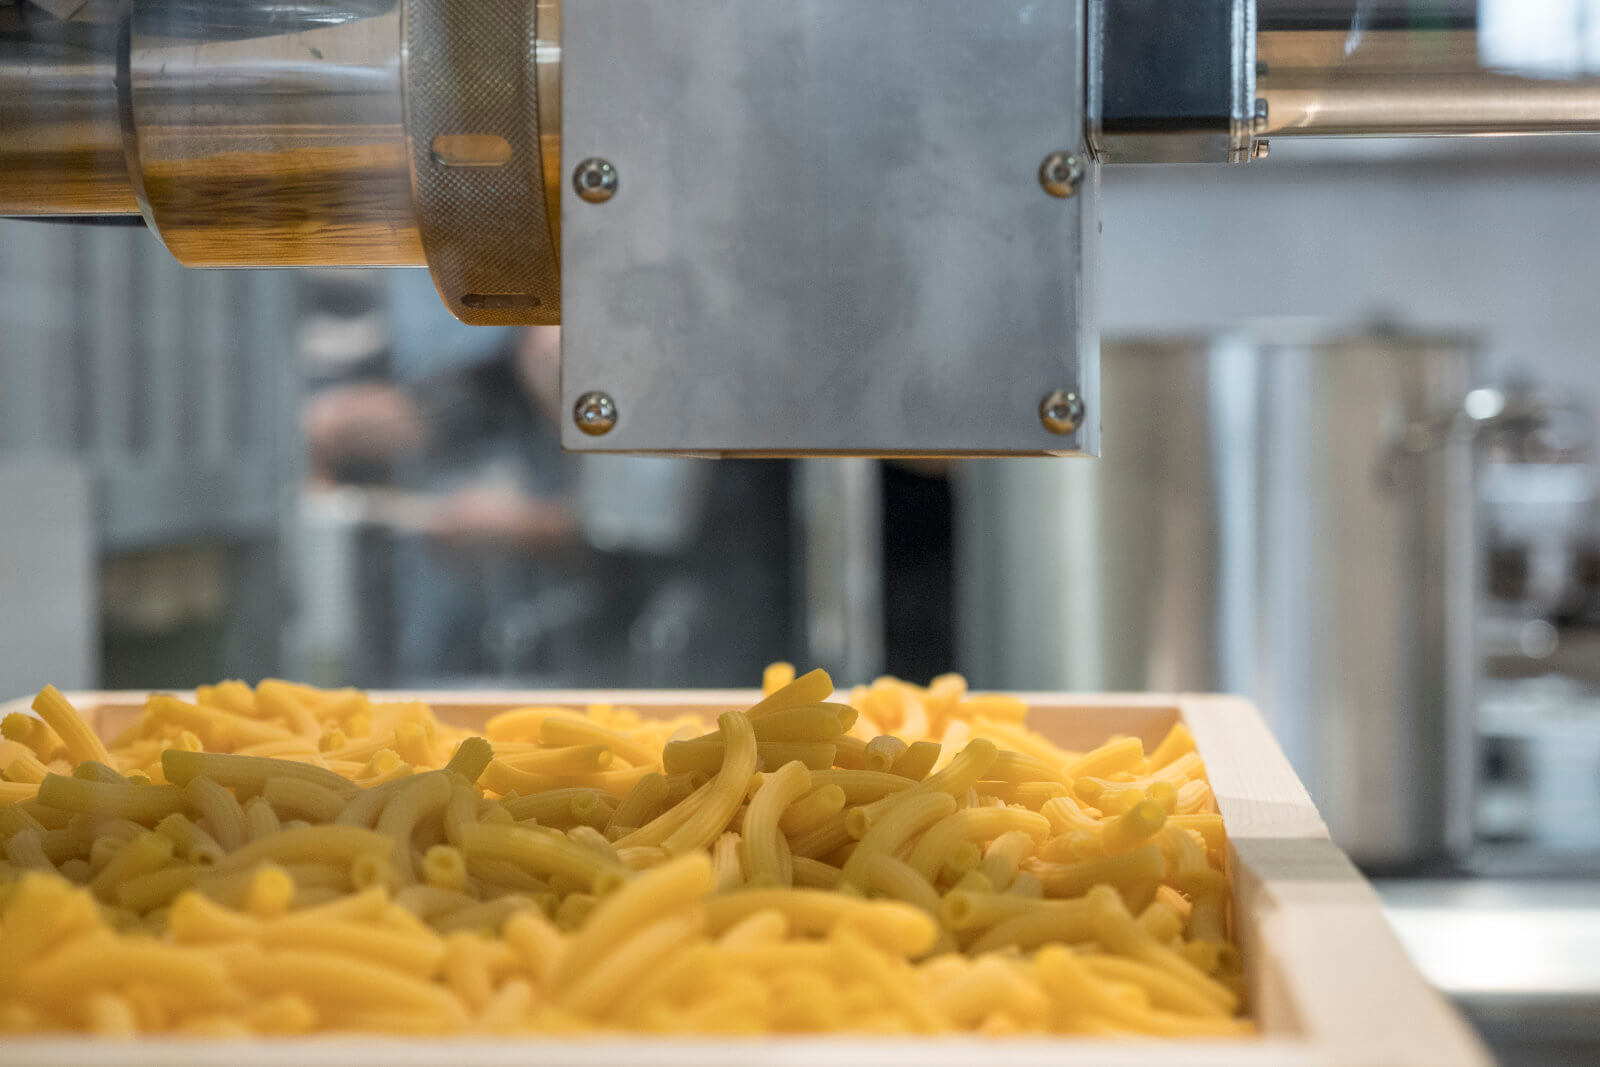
x=60, y=138
x=1254, y=528
x=1522, y=958
x=1061, y=411
x=1060, y=174
x=470, y=73
x=1172, y=83
x=1391, y=67
x=271, y=133
x=595, y=414
x=595, y=180
x=838, y=509
x=832, y=245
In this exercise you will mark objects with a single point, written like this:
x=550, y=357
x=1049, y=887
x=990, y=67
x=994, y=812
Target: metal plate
x=829, y=233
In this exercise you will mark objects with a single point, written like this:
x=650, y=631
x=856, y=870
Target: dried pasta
x=284, y=860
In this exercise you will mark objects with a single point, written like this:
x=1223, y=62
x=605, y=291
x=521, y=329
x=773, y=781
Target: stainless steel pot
x=1286, y=514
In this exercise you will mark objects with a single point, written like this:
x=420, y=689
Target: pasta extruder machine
x=817, y=226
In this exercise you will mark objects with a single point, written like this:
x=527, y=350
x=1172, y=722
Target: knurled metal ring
x=471, y=77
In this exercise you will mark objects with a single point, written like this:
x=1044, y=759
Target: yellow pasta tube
x=1161, y=920
x=246, y=772
x=882, y=752
x=1178, y=742
x=460, y=810
x=1067, y=816
x=641, y=804
x=727, y=865
x=220, y=810
x=25, y=851
x=422, y=796
x=988, y=985
x=555, y=806
x=365, y=807
x=597, y=988
x=34, y=733
x=1004, y=855
x=1195, y=798
x=192, y=842
x=1142, y=867
x=470, y=758
x=141, y=803
x=1072, y=985
x=708, y=755
x=270, y=893
x=445, y=867
x=1164, y=991
x=891, y=925
x=342, y=982
x=896, y=826
x=103, y=960
x=650, y=896
x=971, y=824
x=805, y=722
x=1124, y=754
x=850, y=753
x=296, y=798
x=812, y=810
x=810, y=873
x=574, y=759
x=900, y=880
x=861, y=786
x=216, y=727
x=1019, y=767
x=26, y=768
x=1121, y=934
x=917, y=761
x=538, y=943
x=563, y=731
x=958, y=776
x=1040, y=925
x=813, y=687
x=308, y=844
x=545, y=852
x=261, y=820
x=58, y=713
x=726, y=791
x=762, y=841
x=1133, y=828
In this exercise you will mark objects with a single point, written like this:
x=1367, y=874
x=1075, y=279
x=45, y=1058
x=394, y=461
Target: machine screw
x=1061, y=411
x=595, y=413
x=1261, y=116
x=1061, y=173
x=595, y=179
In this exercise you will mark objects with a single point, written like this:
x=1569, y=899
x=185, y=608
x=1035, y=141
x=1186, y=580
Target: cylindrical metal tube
x=60, y=141
x=271, y=133
x=1332, y=68
x=285, y=132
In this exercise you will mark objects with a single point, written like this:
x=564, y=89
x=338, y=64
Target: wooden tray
x=1329, y=983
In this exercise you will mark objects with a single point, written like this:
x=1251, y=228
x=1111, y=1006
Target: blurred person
x=511, y=558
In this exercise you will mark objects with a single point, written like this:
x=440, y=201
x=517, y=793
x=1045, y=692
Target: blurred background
x=1349, y=471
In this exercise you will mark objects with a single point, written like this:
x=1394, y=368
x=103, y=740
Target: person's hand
x=360, y=422
x=483, y=516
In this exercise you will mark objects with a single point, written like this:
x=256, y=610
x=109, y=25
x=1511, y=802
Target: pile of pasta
x=901, y=859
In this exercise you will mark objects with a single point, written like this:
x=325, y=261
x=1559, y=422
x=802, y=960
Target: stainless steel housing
x=1444, y=67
